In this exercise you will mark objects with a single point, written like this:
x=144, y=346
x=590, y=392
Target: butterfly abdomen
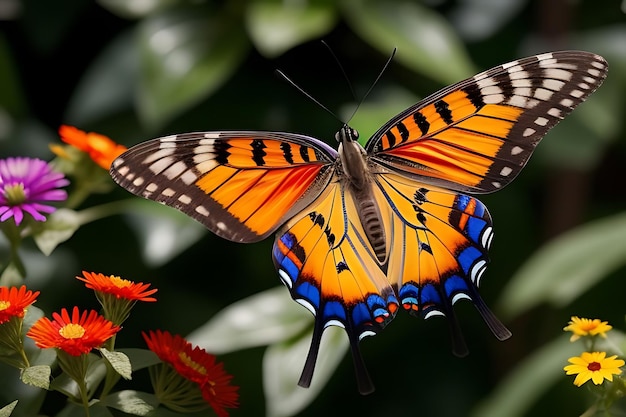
x=370, y=218
x=357, y=178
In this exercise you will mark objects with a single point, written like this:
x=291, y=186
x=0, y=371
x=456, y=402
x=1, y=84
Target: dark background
x=92, y=65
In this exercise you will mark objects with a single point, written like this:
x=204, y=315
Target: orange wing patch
x=240, y=185
x=258, y=198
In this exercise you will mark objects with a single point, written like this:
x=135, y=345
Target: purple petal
x=32, y=210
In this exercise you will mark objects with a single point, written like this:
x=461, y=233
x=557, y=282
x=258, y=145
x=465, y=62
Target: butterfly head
x=347, y=134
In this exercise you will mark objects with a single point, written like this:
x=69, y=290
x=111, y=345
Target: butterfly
x=362, y=232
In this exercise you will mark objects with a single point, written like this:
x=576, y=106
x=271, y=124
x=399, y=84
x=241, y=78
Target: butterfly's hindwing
x=476, y=135
x=327, y=263
x=240, y=185
x=439, y=243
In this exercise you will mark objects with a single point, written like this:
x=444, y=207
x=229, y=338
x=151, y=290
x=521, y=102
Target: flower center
x=72, y=331
x=4, y=305
x=587, y=327
x=594, y=366
x=120, y=283
x=15, y=194
x=191, y=364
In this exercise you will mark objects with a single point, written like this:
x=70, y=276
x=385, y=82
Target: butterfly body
x=363, y=232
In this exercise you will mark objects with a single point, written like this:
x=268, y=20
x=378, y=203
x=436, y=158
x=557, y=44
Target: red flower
x=75, y=335
x=120, y=288
x=196, y=365
x=101, y=149
x=14, y=301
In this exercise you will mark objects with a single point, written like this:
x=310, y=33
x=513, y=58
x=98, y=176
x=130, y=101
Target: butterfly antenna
x=380, y=74
x=341, y=68
x=307, y=95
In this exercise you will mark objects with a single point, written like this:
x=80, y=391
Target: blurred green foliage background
x=138, y=69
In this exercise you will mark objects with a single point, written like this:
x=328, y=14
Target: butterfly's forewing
x=438, y=250
x=326, y=261
x=240, y=185
x=475, y=136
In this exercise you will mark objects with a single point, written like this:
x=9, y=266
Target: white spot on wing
x=518, y=101
x=285, y=278
x=554, y=112
x=154, y=156
x=188, y=177
x=505, y=171
x=170, y=138
x=543, y=94
x=518, y=75
x=493, y=99
x=161, y=165
x=510, y=64
x=433, y=313
x=460, y=296
x=306, y=304
x=547, y=57
x=558, y=74
x=554, y=85
x=202, y=210
x=175, y=170
x=185, y=199
x=523, y=83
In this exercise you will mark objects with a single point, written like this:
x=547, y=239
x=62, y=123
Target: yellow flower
x=595, y=366
x=587, y=327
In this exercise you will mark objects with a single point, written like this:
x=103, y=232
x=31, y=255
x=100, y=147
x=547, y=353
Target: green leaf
x=282, y=366
x=58, y=228
x=163, y=232
x=132, y=402
x=133, y=9
x=13, y=273
x=186, y=54
x=119, y=361
x=268, y=317
x=529, y=380
x=140, y=358
x=425, y=40
x=7, y=409
x=568, y=266
x=108, y=85
x=276, y=26
x=37, y=376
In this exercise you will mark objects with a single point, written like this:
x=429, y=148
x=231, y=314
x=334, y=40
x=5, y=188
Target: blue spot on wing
x=467, y=258
x=309, y=292
x=474, y=228
x=454, y=284
x=334, y=310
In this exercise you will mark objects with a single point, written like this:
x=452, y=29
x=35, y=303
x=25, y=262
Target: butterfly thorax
x=356, y=177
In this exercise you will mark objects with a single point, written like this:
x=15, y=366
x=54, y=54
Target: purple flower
x=25, y=184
